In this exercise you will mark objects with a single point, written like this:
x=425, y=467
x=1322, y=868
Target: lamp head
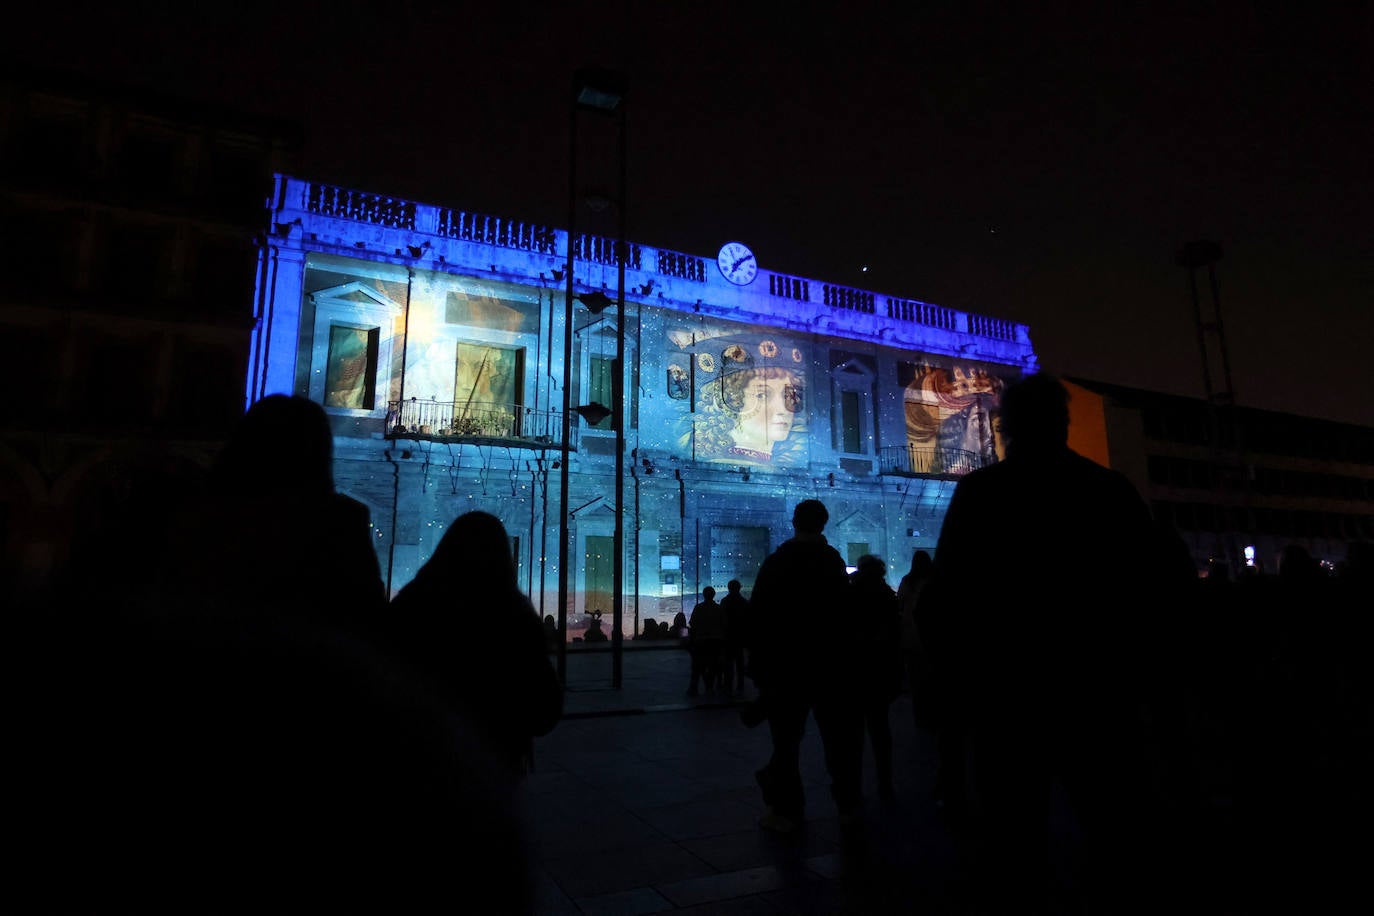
x=599, y=89
x=595, y=301
x=593, y=413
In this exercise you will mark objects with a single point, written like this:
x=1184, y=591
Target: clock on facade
x=737, y=263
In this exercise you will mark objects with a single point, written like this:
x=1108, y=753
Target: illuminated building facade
x=434, y=338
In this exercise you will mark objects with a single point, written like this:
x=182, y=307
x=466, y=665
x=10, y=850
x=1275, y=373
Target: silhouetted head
x=810, y=516
x=1358, y=565
x=475, y=550
x=282, y=444
x=733, y=586
x=1035, y=414
x=1297, y=565
x=921, y=563
x=872, y=566
x=708, y=593
x=1218, y=571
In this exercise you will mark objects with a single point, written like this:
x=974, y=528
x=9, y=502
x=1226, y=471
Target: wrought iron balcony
x=929, y=461
x=513, y=425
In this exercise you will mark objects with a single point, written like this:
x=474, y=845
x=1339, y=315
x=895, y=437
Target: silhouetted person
x=1189, y=653
x=1352, y=599
x=876, y=615
x=679, y=630
x=737, y=635
x=803, y=665
x=1037, y=627
x=1222, y=675
x=504, y=684
x=1311, y=687
x=237, y=739
x=706, y=642
x=551, y=632
x=273, y=535
x=933, y=707
x=1356, y=571
x=594, y=632
x=908, y=592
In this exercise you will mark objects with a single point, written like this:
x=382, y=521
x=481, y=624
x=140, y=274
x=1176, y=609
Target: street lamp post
x=618, y=397
x=601, y=91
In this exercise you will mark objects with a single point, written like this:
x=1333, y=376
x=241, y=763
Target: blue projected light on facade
x=441, y=333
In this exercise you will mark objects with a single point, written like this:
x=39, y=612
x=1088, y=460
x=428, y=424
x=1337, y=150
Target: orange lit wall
x=1087, y=424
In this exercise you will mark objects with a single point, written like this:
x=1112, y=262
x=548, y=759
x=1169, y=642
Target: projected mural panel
x=949, y=409
x=748, y=391
x=348, y=374
x=485, y=377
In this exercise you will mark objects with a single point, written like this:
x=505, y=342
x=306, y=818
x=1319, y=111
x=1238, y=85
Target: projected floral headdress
x=737, y=366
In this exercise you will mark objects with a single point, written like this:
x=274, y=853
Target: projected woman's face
x=766, y=415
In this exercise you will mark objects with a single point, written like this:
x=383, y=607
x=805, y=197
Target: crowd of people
x=227, y=713
x=221, y=666
x=1060, y=644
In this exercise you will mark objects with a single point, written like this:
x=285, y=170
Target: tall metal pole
x=565, y=449
x=1201, y=336
x=618, y=396
x=1221, y=398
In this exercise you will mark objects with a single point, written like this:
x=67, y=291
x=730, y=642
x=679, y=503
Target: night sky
x=1042, y=165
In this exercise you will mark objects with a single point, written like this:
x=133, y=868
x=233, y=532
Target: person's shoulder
x=991, y=477
x=1085, y=465
x=347, y=507
x=1100, y=476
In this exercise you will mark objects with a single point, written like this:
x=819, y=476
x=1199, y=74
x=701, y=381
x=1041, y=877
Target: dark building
x=1237, y=483
x=129, y=222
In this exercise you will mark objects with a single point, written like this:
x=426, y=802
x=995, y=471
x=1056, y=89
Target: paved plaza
x=644, y=801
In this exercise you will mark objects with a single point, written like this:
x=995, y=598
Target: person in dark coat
x=737, y=635
x=505, y=685
x=1041, y=634
x=908, y=593
x=706, y=642
x=243, y=714
x=804, y=665
x=273, y=535
x=928, y=708
x=876, y=614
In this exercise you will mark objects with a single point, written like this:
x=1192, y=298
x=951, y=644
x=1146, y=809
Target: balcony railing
x=913, y=460
x=511, y=424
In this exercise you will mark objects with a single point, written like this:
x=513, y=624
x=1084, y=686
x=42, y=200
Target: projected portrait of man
x=949, y=412
x=999, y=439
x=751, y=409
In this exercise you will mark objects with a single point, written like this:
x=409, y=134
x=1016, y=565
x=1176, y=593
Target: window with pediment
x=852, y=378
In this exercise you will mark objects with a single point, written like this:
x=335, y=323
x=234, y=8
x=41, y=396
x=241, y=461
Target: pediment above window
x=355, y=293
x=857, y=521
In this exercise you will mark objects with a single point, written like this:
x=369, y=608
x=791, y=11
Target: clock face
x=737, y=263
